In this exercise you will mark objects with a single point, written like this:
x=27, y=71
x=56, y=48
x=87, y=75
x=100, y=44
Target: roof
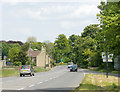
x=35, y=53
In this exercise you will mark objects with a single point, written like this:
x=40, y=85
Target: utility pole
x=45, y=55
x=107, y=64
x=30, y=51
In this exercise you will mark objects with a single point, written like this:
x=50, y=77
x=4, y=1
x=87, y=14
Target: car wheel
x=20, y=75
x=33, y=74
x=23, y=75
x=30, y=74
x=76, y=70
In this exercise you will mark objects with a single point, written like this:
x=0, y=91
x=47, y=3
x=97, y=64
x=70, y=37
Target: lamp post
x=30, y=51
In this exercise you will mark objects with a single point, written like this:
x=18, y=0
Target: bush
x=62, y=64
x=84, y=66
x=33, y=64
x=17, y=63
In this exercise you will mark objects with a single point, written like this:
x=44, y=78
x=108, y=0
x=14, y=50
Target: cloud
x=83, y=11
x=18, y=1
x=73, y=24
x=58, y=12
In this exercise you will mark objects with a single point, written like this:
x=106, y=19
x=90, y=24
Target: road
x=59, y=78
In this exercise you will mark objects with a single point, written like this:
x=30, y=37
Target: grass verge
x=6, y=72
x=14, y=71
x=98, y=82
x=104, y=70
x=41, y=70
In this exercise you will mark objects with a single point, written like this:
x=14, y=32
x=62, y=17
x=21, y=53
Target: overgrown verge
x=98, y=82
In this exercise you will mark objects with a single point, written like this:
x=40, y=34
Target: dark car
x=26, y=70
x=73, y=68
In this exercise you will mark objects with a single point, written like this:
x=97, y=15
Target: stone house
x=40, y=58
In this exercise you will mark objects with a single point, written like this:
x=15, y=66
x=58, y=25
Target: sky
x=45, y=19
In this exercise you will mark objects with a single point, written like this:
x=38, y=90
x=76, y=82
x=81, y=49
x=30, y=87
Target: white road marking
x=21, y=89
x=51, y=78
x=31, y=85
x=39, y=82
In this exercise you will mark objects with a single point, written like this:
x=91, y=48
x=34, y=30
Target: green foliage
x=95, y=59
x=17, y=56
x=109, y=17
x=5, y=49
x=25, y=46
x=91, y=30
x=36, y=45
x=61, y=48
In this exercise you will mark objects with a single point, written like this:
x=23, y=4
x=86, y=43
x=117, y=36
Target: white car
x=26, y=70
x=70, y=64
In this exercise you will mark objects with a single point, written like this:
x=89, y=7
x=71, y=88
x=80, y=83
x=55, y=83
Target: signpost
x=107, y=58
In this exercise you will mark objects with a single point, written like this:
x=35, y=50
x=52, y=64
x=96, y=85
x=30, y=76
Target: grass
x=14, y=71
x=40, y=70
x=104, y=70
x=6, y=72
x=98, y=82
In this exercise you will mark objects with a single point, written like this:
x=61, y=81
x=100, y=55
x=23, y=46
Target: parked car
x=70, y=64
x=73, y=68
x=26, y=70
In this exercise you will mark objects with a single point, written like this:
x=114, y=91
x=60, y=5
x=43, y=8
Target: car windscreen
x=25, y=67
x=74, y=66
x=70, y=63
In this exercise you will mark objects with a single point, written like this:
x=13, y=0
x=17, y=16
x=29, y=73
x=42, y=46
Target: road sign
x=110, y=56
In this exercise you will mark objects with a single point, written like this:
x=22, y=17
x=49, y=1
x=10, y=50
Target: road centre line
x=31, y=85
x=20, y=89
x=51, y=78
x=39, y=82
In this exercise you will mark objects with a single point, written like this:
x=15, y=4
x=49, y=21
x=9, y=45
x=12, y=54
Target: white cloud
x=17, y=1
x=58, y=12
x=83, y=11
x=71, y=24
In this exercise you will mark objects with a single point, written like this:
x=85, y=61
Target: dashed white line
x=39, y=83
x=51, y=78
x=21, y=89
x=31, y=85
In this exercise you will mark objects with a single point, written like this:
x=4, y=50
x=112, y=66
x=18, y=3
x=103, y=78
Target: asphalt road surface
x=59, y=78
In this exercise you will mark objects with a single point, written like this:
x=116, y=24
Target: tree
x=36, y=45
x=72, y=41
x=13, y=53
x=62, y=48
x=109, y=18
x=31, y=39
x=5, y=49
x=91, y=30
x=17, y=56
